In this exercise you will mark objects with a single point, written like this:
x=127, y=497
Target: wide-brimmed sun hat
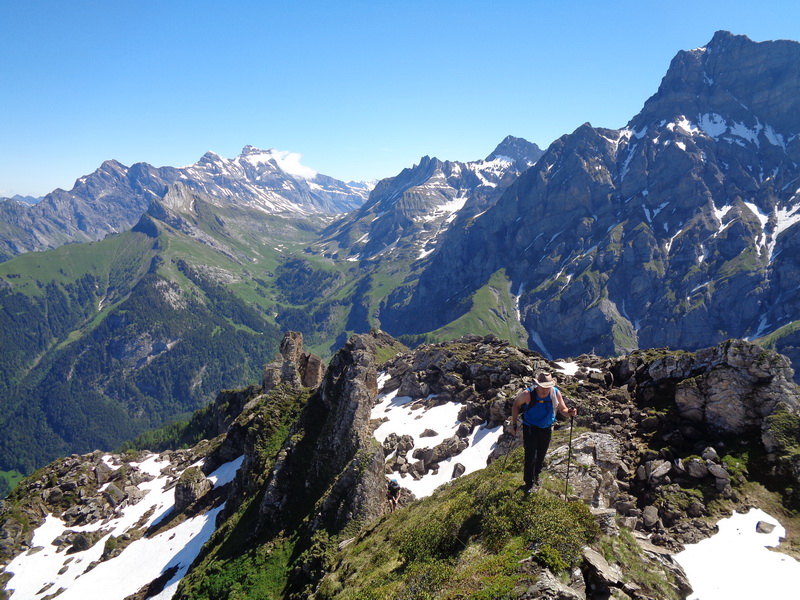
x=545, y=380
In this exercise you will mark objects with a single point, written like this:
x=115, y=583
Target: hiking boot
x=533, y=488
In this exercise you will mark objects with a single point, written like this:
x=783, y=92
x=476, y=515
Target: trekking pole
x=569, y=456
x=510, y=450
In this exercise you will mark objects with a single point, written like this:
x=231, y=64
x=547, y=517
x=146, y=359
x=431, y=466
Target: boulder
x=549, y=587
x=650, y=516
x=718, y=471
x=191, y=486
x=596, y=458
x=695, y=468
x=764, y=527
x=113, y=494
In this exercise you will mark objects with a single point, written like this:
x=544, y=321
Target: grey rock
x=718, y=471
x=191, y=486
x=458, y=470
x=549, y=587
x=764, y=527
x=696, y=468
x=596, y=457
x=650, y=516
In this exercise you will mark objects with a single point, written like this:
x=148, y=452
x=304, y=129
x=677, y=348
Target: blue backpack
x=540, y=412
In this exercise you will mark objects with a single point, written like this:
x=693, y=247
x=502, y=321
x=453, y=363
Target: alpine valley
x=664, y=257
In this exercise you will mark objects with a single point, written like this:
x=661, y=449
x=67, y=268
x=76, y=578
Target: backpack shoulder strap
x=554, y=399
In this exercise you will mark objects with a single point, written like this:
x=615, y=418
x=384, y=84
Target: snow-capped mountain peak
x=288, y=162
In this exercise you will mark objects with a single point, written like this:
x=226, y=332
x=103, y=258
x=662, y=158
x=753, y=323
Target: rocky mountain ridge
x=665, y=442
x=406, y=215
x=677, y=230
x=114, y=197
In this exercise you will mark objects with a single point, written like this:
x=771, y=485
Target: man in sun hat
x=538, y=405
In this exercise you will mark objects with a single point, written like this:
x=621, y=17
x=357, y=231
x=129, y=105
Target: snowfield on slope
x=737, y=563
x=44, y=570
x=406, y=417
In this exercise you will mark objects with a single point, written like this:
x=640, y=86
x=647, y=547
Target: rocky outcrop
x=346, y=468
x=292, y=366
x=690, y=407
x=191, y=486
x=83, y=490
x=596, y=464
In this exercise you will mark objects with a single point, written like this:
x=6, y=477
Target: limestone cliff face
x=679, y=230
x=406, y=215
x=107, y=201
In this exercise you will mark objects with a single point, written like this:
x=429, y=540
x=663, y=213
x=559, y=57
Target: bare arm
x=521, y=398
x=562, y=406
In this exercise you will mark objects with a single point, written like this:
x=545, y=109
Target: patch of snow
x=626, y=165
x=785, y=218
x=288, y=162
x=672, y=240
x=448, y=208
x=720, y=213
x=763, y=219
x=424, y=253
x=701, y=256
x=141, y=562
x=225, y=473
x=736, y=564
x=744, y=132
x=537, y=339
x=776, y=139
x=713, y=125
x=567, y=367
x=404, y=419
x=762, y=328
x=684, y=124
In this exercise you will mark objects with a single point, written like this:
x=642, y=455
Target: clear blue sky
x=362, y=89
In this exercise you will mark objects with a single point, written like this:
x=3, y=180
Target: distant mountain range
x=24, y=199
x=678, y=230
x=113, y=198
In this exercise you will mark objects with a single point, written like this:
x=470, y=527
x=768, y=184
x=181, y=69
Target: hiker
x=393, y=495
x=538, y=405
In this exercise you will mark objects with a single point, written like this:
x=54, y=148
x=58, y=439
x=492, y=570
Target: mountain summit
x=522, y=152
x=678, y=230
x=407, y=215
